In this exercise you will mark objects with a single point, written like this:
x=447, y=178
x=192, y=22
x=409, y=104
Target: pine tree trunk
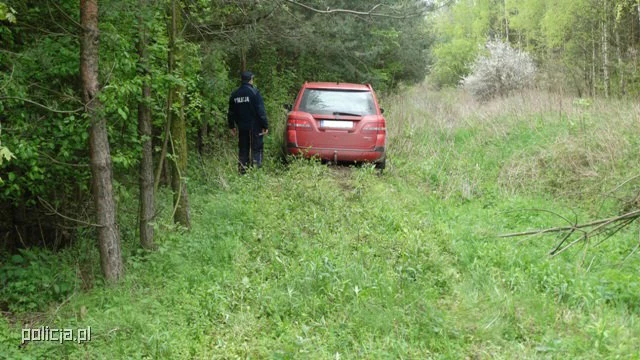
x=100, y=157
x=178, y=131
x=145, y=133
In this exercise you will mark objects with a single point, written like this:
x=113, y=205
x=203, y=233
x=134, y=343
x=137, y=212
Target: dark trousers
x=250, y=142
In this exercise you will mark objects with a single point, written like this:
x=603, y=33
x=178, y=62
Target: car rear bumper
x=376, y=155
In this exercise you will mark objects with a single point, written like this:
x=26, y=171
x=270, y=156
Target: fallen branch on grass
x=573, y=234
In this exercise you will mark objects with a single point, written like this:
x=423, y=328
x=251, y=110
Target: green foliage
x=460, y=30
x=32, y=279
x=5, y=156
x=332, y=47
x=35, y=135
x=454, y=60
x=216, y=86
x=575, y=41
x=7, y=13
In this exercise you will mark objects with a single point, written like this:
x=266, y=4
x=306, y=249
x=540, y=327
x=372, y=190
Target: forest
x=503, y=225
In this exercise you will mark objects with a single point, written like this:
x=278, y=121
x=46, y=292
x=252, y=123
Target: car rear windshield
x=337, y=102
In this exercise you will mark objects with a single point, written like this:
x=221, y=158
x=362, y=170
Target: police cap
x=246, y=76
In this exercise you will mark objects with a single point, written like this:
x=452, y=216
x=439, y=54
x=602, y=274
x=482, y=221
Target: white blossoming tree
x=500, y=72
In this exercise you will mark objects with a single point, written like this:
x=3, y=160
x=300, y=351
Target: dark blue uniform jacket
x=246, y=109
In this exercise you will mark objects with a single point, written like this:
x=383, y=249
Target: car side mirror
x=289, y=107
x=381, y=111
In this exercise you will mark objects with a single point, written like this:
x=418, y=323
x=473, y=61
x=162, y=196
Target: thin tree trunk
x=243, y=60
x=165, y=142
x=520, y=39
x=203, y=134
x=506, y=21
x=145, y=133
x=605, y=53
x=100, y=157
x=633, y=46
x=621, y=71
x=593, y=62
x=178, y=132
x=635, y=53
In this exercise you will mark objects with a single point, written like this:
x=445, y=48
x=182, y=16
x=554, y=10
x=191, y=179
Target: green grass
x=310, y=261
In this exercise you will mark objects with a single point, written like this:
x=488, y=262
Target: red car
x=337, y=122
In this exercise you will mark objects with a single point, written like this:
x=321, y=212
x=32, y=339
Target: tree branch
x=605, y=227
x=351, y=12
x=64, y=13
x=50, y=207
x=61, y=162
x=633, y=214
x=43, y=106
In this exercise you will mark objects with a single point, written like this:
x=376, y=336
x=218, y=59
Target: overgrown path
x=343, y=175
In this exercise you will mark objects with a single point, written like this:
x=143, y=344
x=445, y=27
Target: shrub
x=499, y=73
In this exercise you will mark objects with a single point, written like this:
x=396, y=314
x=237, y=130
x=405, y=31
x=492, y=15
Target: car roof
x=337, y=85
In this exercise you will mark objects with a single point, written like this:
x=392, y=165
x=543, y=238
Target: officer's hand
x=233, y=132
x=265, y=131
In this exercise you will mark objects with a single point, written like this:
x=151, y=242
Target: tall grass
x=572, y=147
x=310, y=261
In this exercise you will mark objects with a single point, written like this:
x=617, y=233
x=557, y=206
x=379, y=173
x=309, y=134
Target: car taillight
x=298, y=124
x=376, y=127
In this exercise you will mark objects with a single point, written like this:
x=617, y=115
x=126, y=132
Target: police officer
x=247, y=113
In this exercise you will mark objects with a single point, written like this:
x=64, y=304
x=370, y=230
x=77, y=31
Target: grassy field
x=319, y=262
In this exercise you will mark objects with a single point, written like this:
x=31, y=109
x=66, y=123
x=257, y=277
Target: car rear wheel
x=380, y=165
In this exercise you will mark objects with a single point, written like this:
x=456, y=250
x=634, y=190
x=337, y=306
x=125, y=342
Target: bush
x=499, y=73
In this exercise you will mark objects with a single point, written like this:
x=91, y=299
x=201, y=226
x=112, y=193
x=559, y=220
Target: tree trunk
x=593, y=62
x=605, y=53
x=243, y=60
x=634, y=46
x=145, y=133
x=101, y=171
x=178, y=131
x=506, y=22
x=203, y=135
x=621, y=71
x=161, y=172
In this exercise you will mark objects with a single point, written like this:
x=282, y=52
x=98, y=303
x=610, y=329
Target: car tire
x=381, y=165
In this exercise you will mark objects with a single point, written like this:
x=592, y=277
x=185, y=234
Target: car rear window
x=344, y=102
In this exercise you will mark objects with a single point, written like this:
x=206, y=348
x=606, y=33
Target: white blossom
x=500, y=72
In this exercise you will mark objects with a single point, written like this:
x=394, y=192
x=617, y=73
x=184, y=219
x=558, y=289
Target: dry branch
x=53, y=211
x=603, y=227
